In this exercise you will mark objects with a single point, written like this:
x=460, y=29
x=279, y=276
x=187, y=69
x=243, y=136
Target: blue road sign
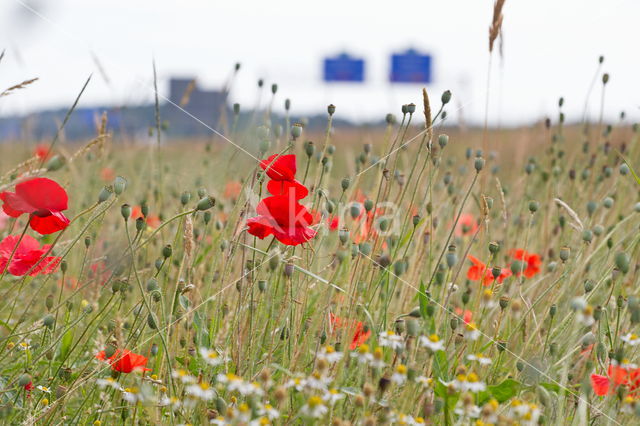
x=410, y=67
x=343, y=68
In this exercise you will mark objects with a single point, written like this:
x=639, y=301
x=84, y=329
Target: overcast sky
x=550, y=50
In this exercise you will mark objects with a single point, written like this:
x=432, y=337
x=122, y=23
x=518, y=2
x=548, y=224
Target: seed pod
x=152, y=284
x=104, y=194
x=48, y=321
x=565, y=252
x=533, y=206
x=167, y=251
x=125, y=211
x=185, y=198
x=443, y=140
x=151, y=322
x=345, y=183
x=119, y=185
x=622, y=262
x=368, y=205
x=206, y=203
x=478, y=164
x=48, y=302
x=55, y=163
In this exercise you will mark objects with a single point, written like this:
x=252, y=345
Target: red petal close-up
x=291, y=188
x=281, y=167
x=27, y=258
x=124, y=361
x=285, y=211
x=43, y=199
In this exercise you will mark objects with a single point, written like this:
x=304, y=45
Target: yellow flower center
x=329, y=349
x=314, y=401
x=363, y=349
x=401, y=369
x=434, y=338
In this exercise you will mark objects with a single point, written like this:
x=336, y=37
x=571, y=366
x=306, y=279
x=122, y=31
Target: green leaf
x=65, y=345
x=440, y=365
x=505, y=390
x=551, y=386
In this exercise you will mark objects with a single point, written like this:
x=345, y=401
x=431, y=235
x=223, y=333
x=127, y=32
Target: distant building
x=206, y=106
x=202, y=106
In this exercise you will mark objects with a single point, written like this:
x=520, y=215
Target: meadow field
x=409, y=274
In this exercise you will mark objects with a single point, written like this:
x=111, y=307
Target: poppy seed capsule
x=622, y=262
x=565, y=252
x=55, y=163
x=345, y=183
x=390, y=119
x=533, y=206
x=411, y=108
x=125, y=211
x=167, y=251
x=139, y=224
x=287, y=104
x=185, y=197
x=478, y=164
x=309, y=148
x=274, y=89
x=451, y=257
x=104, y=194
x=119, y=185
x=446, y=97
x=605, y=78
x=331, y=109
x=296, y=131
x=206, y=203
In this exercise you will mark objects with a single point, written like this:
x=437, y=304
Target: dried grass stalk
x=496, y=23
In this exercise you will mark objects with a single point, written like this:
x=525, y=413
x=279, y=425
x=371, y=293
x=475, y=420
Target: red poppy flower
x=360, y=333
x=107, y=174
x=531, y=261
x=43, y=199
x=467, y=225
x=27, y=255
x=479, y=271
x=152, y=220
x=284, y=218
x=466, y=315
x=616, y=376
x=42, y=151
x=124, y=361
x=282, y=171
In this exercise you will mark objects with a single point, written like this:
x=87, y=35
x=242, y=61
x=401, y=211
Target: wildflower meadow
x=403, y=274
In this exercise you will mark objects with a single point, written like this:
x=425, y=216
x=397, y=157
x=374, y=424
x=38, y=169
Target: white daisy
x=43, y=389
x=362, y=354
x=392, y=340
x=631, y=339
x=329, y=354
x=314, y=408
x=332, y=396
x=432, y=342
x=212, y=357
x=400, y=375
x=482, y=360
x=201, y=390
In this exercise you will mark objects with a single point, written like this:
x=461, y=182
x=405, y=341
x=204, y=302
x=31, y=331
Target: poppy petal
x=600, y=384
x=280, y=167
x=49, y=224
x=43, y=194
x=287, y=187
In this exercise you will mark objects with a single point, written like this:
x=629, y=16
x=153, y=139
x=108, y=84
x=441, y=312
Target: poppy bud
x=48, y=302
x=104, y=194
x=416, y=220
x=125, y=211
x=119, y=185
x=55, y=163
x=139, y=224
x=446, y=97
x=390, y=119
x=453, y=323
x=622, y=262
x=533, y=206
x=63, y=266
x=287, y=104
x=262, y=286
x=365, y=248
x=478, y=164
x=605, y=78
x=451, y=257
x=151, y=322
x=24, y=380
x=345, y=183
x=152, y=284
x=354, y=210
x=48, y=321
x=368, y=205
x=167, y=251
x=206, y=203
x=443, y=140
x=185, y=197
x=494, y=247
